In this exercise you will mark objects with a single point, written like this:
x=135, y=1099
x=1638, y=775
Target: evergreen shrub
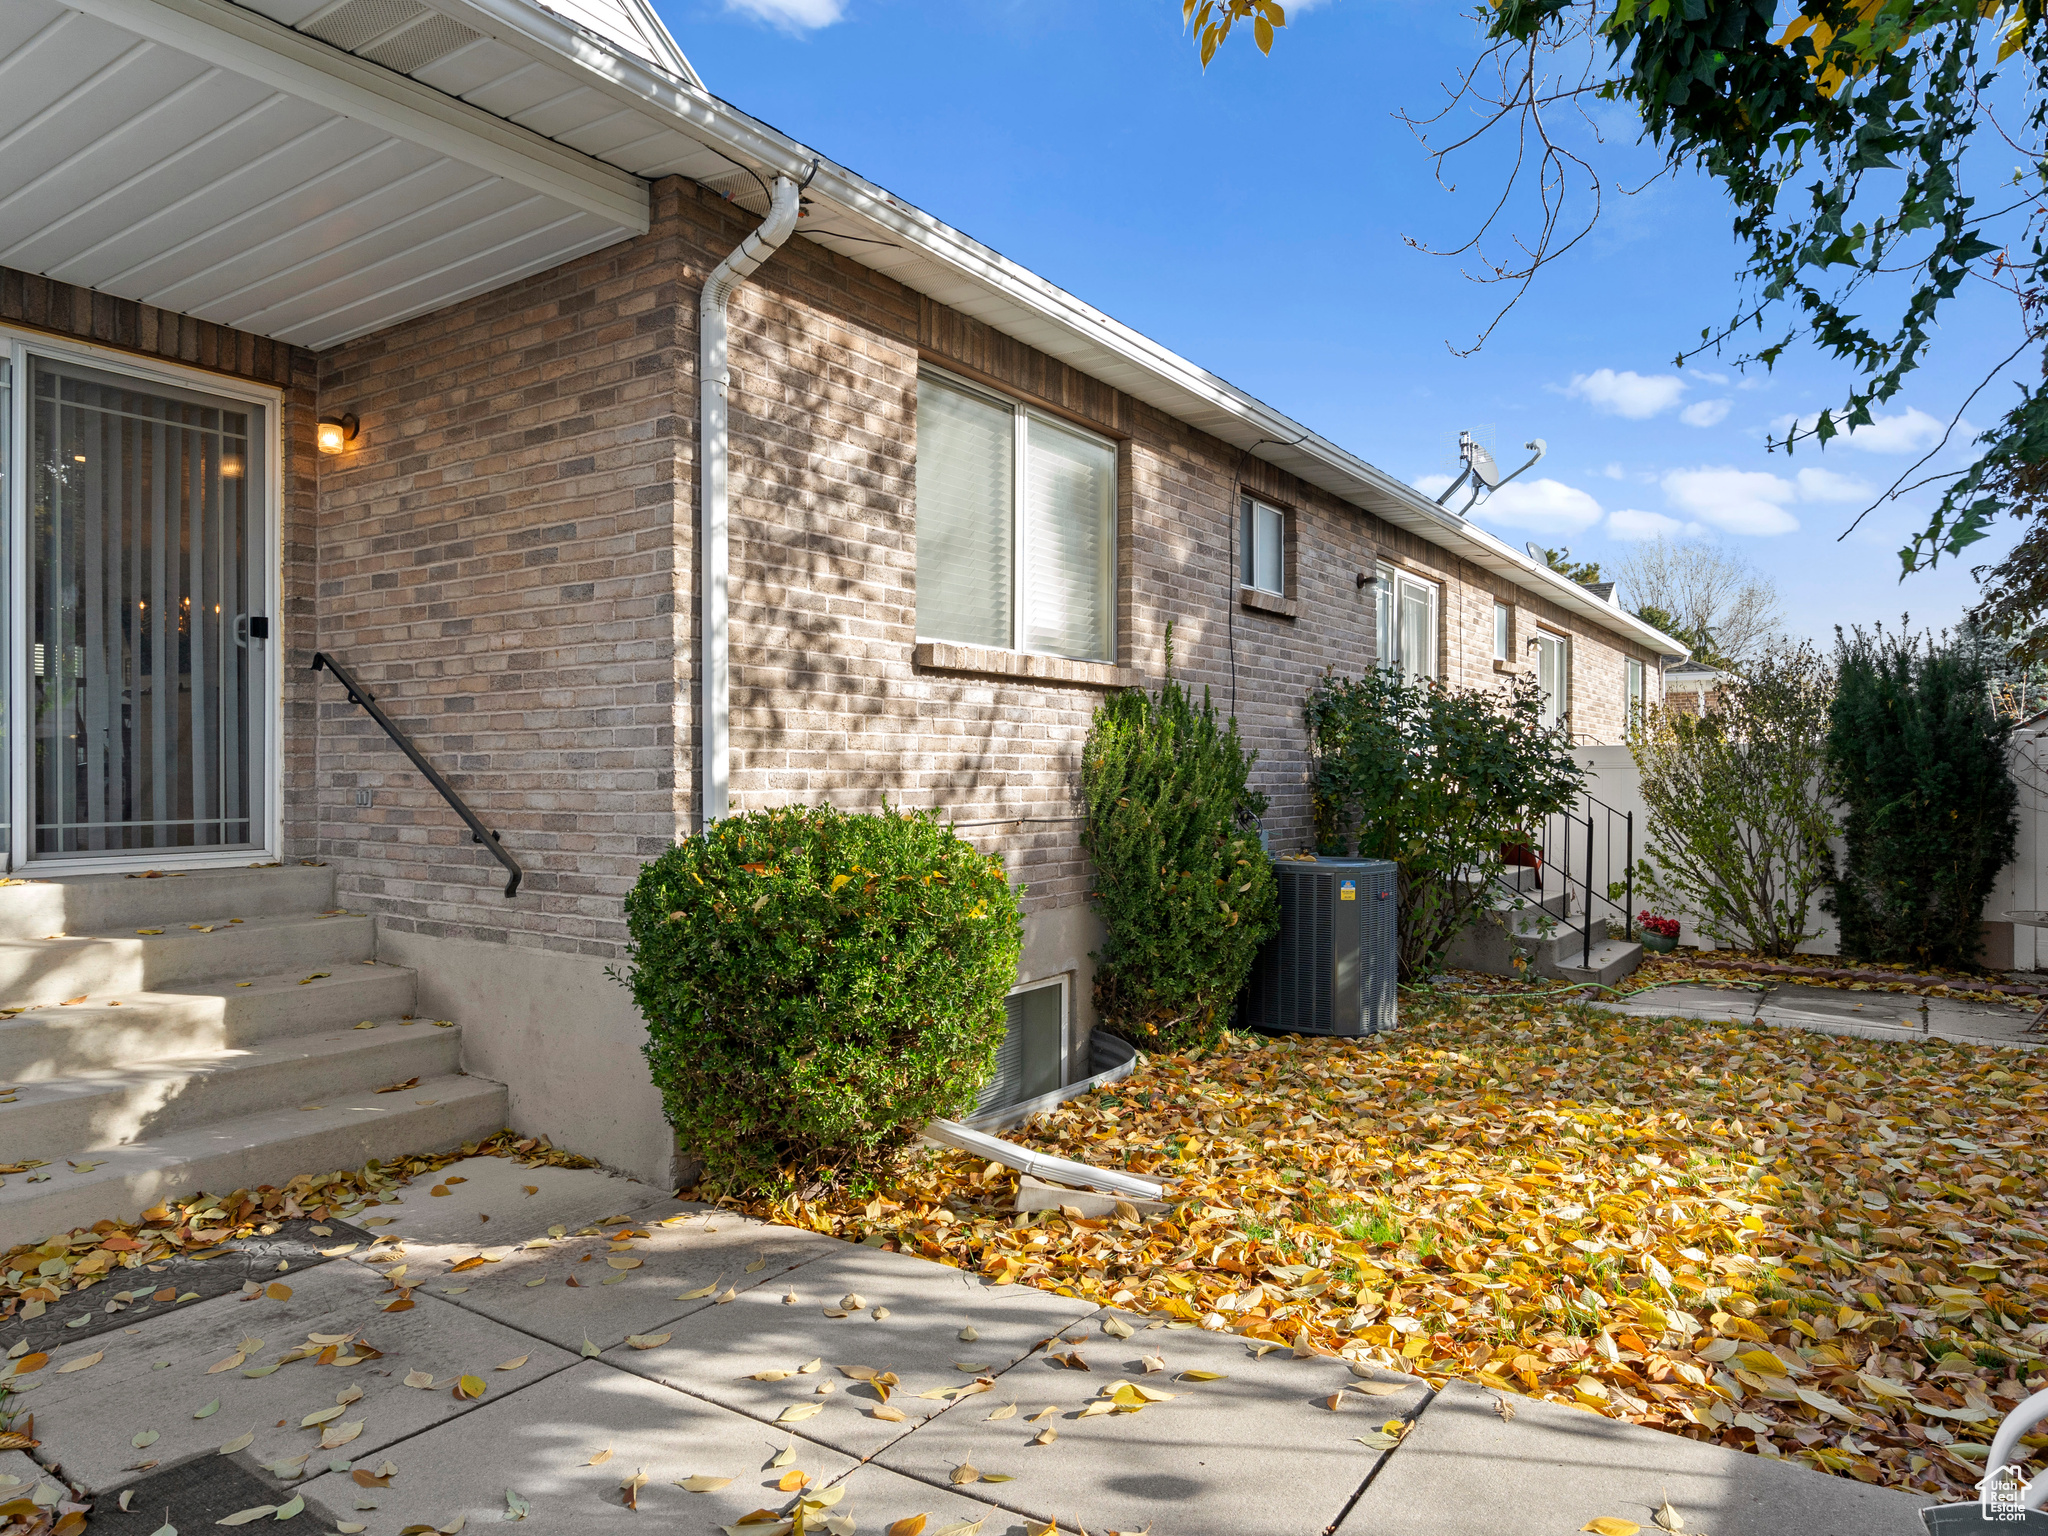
x=1443, y=781
x=1182, y=882
x=817, y=986
x=1930, y=809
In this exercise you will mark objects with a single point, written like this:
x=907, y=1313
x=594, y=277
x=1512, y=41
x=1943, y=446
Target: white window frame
x=1022, y=415
x=1559, y=705
x=1250, y=512
x=1503, y=631
x=20, y=346
x=1634, y=686
x=1388, y=585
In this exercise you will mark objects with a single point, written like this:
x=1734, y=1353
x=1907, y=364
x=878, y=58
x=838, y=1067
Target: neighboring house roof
x=242, y=167
x=1693, y=677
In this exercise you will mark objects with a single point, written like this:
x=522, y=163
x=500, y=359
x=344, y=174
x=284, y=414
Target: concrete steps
x=1611, y=960
x=221, y=1053
x=107, y=1107
x=344, y=1132
x=53, y=969
x=1544, y=935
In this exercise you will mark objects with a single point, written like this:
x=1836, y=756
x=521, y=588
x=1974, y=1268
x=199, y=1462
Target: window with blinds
x=1263, y=541
x=1016, y=526
x=1406, y=607
x=1554, y=676
x=1031, y=1061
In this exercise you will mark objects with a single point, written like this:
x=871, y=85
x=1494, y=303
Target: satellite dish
x=1482, y=464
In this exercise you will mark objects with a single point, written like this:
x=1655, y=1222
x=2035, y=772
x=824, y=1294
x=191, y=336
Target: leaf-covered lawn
x=1797, y=1244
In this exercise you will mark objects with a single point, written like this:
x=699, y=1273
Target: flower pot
x=1656, y=943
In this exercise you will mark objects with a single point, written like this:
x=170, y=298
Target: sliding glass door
x=139, y=712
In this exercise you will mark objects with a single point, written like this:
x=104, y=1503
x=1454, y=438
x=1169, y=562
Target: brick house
x=373, y=328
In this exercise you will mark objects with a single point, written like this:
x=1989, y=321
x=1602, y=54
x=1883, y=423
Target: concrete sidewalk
x=1832, y=1010
x=618, y=1334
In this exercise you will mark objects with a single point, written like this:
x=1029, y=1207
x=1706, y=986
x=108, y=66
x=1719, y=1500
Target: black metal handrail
x=478, y=832
x=1554, y=851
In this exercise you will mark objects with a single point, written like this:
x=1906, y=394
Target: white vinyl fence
x=1613, y=779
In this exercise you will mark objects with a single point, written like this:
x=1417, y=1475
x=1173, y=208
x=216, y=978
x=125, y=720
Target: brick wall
x=828, y=700
x=504, y=560
x=506, y=556
x=158, y=335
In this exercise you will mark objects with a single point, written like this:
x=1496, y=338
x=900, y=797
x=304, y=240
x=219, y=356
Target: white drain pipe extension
x=714, y=652
x=1057, y=1170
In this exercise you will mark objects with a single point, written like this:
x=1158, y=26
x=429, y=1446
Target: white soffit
x=195, y=156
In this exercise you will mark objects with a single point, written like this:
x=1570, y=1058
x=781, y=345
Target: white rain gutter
x=714, y=647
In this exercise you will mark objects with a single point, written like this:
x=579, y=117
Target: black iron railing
x=1576, y=850
x=478, y=832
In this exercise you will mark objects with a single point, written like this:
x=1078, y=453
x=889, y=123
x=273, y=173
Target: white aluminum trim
x=522, y=25
x=21, y=344
x=260, y=49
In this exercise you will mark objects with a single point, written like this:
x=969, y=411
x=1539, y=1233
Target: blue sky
x=1253, y=219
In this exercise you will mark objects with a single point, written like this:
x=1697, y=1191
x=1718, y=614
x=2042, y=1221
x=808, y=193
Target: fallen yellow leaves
x=1811, y=1246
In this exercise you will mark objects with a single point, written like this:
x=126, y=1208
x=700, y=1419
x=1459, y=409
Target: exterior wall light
x=337, y=432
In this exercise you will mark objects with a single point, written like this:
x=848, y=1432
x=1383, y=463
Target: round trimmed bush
x=817, y=986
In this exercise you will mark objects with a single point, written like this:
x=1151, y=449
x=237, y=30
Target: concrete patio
x=618, y=1333
x=1834, y=1010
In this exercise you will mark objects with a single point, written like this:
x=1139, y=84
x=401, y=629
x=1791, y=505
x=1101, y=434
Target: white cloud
x=1615, y=472
x=1539, y=506
x=1733, y=500
x=1826, y=485
x=1711, y=378
x=1636, y=396
x=792, y=15
x=1631, y=524
x=1704, y=413
x=1910, y=431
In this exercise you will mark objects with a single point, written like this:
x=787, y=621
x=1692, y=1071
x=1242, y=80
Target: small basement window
x=1264, y=542
x=1031, y=1061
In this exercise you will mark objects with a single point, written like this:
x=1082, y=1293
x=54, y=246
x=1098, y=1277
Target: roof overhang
x=196, y=156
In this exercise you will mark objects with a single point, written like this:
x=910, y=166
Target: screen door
x=146, y=725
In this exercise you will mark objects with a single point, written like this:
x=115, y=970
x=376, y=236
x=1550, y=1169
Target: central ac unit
x=1330, y=970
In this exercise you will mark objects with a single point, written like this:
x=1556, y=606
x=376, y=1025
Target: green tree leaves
x=1918, y=758
x=818, y=985
x=1438, y=779
x=1739, y=819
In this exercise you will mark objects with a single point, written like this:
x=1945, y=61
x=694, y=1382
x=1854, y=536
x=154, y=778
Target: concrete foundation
x=1058, y=943
x=559, y=1033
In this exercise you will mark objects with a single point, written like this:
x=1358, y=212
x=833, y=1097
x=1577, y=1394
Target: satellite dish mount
x=1482, y=471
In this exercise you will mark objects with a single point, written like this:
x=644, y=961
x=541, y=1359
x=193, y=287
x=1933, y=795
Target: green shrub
x=817, y=986
x=1918, y=757
x=1438, y=779
x=1739, y=819
x=1182, y=883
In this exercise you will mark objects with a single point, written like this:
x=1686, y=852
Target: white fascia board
x=758, y=147
x=263, y=50
x=523, y=25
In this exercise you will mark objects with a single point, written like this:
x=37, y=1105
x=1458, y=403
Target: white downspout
x=714, y=655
